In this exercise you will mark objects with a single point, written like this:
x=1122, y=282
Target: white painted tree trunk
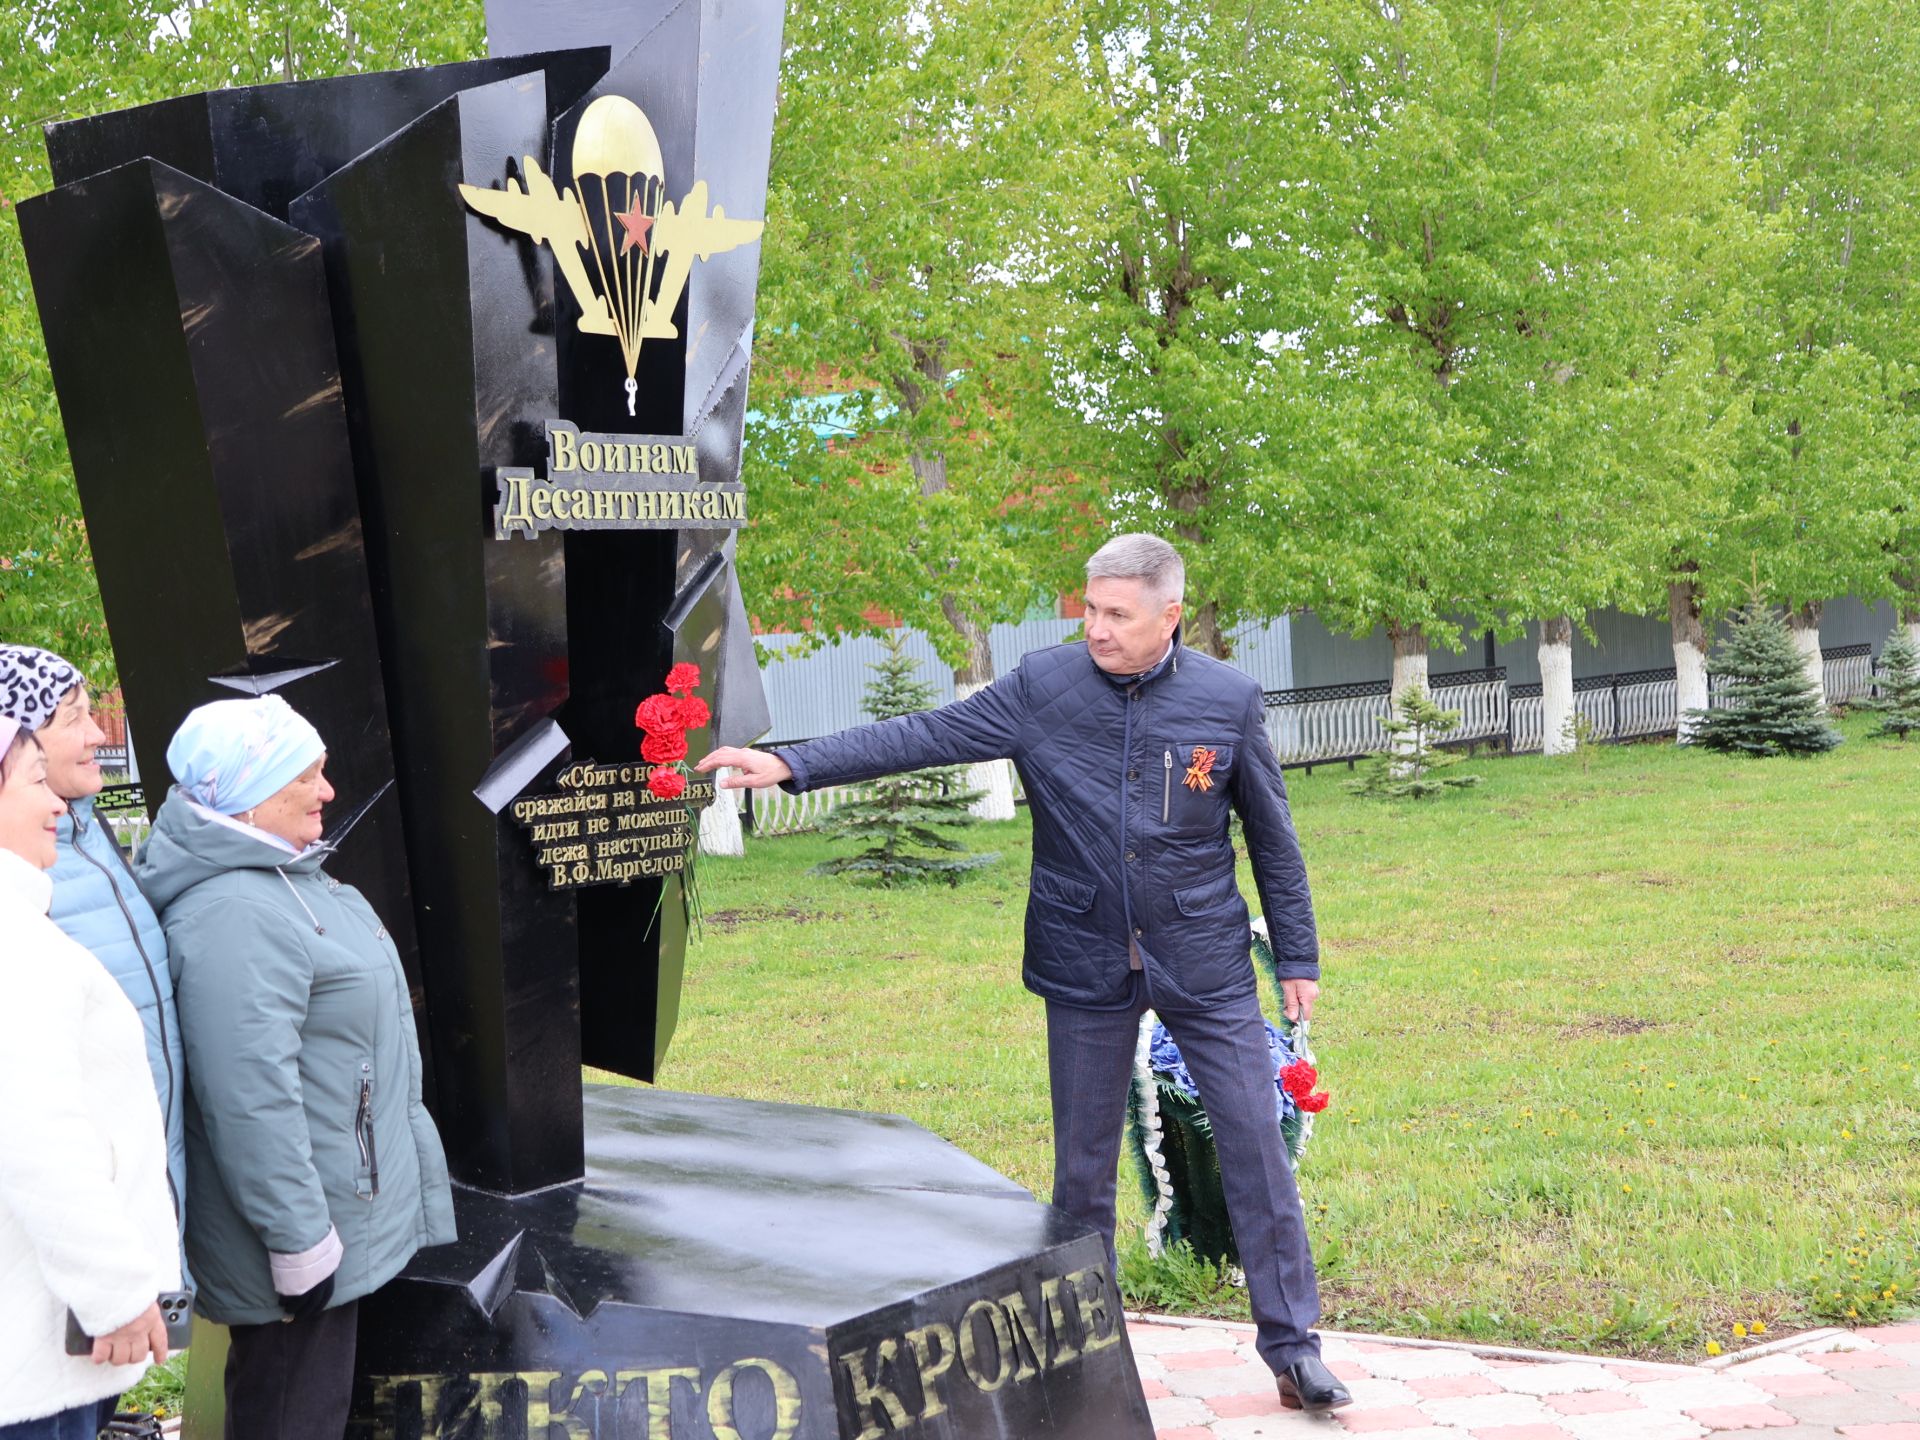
x=1409, y=660
x=992, y=778
x=1804, y=622
x=1913, y=634
x=1690, y=683
x=1689, y=654
x=1556, y=685
x=720, y=822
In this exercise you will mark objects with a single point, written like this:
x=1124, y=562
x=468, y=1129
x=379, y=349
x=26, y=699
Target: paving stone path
x=1204, y=1382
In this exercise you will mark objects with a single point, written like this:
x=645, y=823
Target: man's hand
x=753, y=769
x=145, y=1333
x=1298, y=997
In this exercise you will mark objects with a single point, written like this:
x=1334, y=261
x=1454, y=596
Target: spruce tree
x=1412, y=765
x=902, y=816
x=1898, y=703
x=1767, y=706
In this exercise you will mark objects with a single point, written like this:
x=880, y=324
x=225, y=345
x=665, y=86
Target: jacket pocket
x=1194, y=783
x=1062, y=890
x=1205, y=898
x=366, y=1178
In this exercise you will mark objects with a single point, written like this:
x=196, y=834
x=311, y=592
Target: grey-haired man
x=1132, y=749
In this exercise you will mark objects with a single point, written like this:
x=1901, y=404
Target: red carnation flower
x=659, y=715
x=663, y=747
x=1298, y=1079
x=683, y=678
x=694, y=714
x=1313, y=1104
x=666, y=782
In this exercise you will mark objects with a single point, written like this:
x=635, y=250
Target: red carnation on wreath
x=667, y=782
x=1298, y=1080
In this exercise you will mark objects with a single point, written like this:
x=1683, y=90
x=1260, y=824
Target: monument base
x=734, y=1270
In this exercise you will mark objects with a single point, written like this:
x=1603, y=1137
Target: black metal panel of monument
x=431, y=386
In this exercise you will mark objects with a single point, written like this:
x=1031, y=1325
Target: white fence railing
x=1331, y=724
x=1847, y=672
x=1341, y=722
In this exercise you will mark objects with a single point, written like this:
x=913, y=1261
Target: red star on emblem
x=636, y=222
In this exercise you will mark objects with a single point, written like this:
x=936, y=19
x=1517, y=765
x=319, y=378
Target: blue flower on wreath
x=1163, y=1055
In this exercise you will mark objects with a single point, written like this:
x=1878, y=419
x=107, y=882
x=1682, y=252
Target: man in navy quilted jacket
x=1131, y=749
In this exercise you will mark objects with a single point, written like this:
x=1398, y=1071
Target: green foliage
x=1898, y=703
x=162, y=1390
x=1862, y=1280
x=1413, y=766
x=1177, y=1281
x=1768, y=706
x=1579, y=732
x=899, y=816
x=931, y=166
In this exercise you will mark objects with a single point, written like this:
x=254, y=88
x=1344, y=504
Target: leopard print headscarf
x=33, y=683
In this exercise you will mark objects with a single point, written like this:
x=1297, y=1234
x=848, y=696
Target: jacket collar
x=1167, y=664
x=26, y=882
x=79, y=817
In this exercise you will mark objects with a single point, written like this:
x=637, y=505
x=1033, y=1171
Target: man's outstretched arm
x=984, y=726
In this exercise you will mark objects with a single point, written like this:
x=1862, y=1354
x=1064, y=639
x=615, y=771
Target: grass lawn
x=1621, y=1051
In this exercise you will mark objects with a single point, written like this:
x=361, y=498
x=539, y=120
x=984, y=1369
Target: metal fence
x=1340, y=724
x=1847, y=672
x=124, y=808
x=1327, y=724
x=775, y=812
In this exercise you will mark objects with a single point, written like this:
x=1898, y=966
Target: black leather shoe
x=1308, y=1385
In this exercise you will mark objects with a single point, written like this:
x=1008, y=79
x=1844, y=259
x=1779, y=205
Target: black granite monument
x=419, y=396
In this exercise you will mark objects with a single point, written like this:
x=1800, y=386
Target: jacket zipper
x=1166, y=790
x=363, y=1136
x=153, y=980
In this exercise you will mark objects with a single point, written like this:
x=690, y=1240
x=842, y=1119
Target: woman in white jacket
x=85, y=1222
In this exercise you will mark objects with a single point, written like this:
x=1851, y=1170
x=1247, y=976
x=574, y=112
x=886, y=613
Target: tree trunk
x=1201, y=630
x=720, y=822
x=1409, y=658
x=1804, y=622
x=992, y=778
x=1689, y=653
x=1906, y=609
x=1556, y=685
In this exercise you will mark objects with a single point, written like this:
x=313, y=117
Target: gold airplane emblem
x=641, y=245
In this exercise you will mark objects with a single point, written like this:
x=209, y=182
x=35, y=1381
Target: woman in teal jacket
x=314, y=1171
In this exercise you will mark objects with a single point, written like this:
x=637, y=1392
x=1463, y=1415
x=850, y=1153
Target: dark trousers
x=82, y=1422
x=292, y=1379
x=1090, y=1055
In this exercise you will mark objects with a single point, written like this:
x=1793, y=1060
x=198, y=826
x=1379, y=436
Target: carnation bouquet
x=1172, y=1138
x=663, y=721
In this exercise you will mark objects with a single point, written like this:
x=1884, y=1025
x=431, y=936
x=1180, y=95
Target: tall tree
x=1826, y=484
x=926, y=164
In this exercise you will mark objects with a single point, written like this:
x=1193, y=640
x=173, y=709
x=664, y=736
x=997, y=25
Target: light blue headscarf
x=232, y=754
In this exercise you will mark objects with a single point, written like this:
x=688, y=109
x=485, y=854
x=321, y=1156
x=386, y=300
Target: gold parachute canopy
x=615, y=137
x=619, y=184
